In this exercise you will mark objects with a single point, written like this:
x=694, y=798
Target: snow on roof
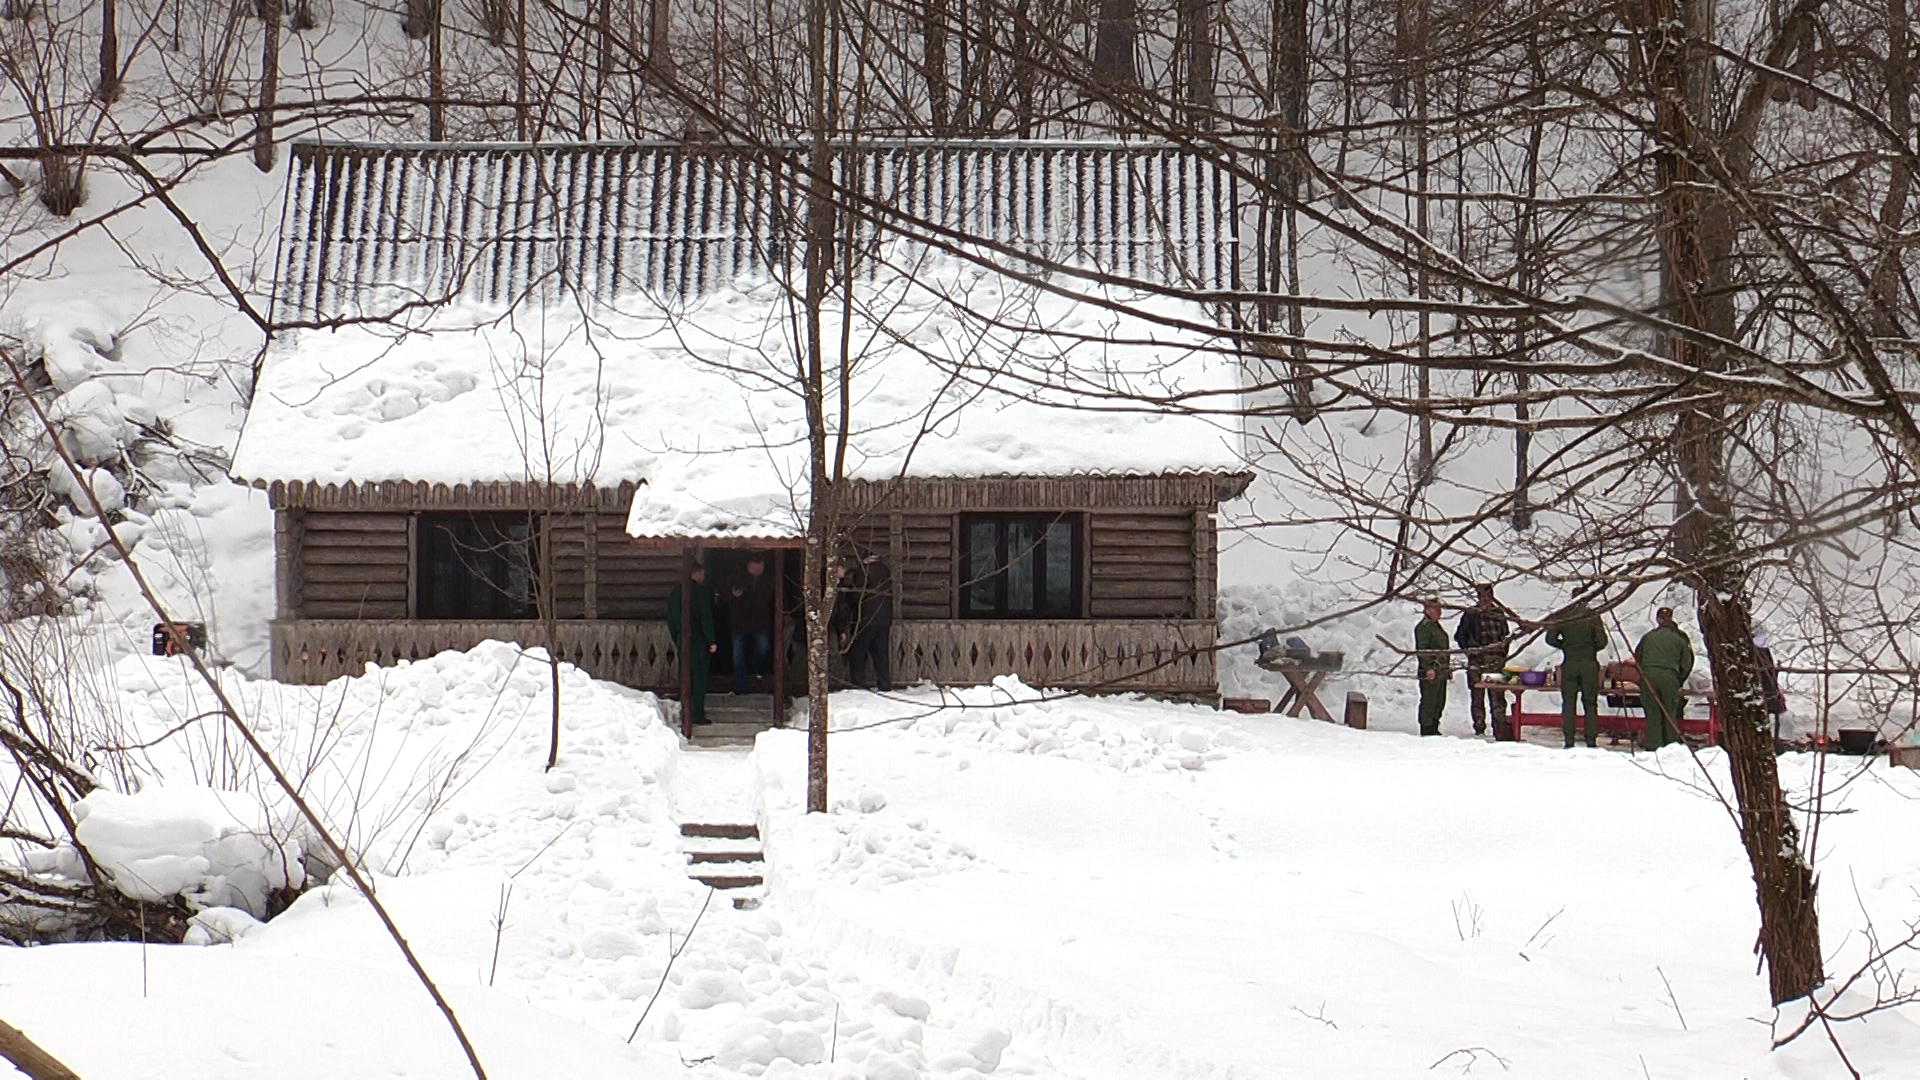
x=957, y=372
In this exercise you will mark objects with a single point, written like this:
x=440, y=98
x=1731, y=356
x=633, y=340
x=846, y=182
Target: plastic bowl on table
x=1533, y=678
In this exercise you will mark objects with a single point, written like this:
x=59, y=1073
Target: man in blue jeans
x=750, y=614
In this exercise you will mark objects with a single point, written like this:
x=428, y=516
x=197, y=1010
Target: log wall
x=350, y=566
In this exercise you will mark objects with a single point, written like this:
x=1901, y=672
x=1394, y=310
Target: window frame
x=488, y=532
x=1004, y=522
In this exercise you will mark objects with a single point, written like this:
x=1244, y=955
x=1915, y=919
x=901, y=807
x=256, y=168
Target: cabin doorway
x=765, y=607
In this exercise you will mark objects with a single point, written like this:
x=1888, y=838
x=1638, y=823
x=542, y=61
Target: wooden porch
x=1154, y=656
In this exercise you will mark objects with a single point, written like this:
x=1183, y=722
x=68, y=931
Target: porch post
x=686, y=642
x=779, y=637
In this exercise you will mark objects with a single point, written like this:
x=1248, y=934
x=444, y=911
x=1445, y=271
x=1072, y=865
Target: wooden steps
x=733, y=867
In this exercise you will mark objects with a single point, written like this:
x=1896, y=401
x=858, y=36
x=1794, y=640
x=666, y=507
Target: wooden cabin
x=1029, y=534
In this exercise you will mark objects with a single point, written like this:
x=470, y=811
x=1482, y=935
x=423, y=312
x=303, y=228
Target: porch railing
x=1152, y=656
x=1155, y=656
x=310, y=651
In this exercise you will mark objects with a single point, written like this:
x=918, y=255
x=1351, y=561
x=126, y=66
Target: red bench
x=1615, y=717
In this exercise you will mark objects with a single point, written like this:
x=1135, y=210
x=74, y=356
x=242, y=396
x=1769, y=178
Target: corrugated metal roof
x=373, y=227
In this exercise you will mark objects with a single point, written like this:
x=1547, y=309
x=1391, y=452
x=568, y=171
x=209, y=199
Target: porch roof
x=956, y=372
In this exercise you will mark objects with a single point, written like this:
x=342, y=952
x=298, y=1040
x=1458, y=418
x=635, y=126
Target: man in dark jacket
x=701, y=647
x=1581, y=637
x=1483, y=634
x=750, y=618
x=863, y=619
x=1430, y=644
x=1665, y=656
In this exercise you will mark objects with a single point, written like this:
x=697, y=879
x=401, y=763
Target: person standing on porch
x=750, y=615
x=1665, y=656
x=1430, y=643
x=1483, y=635
x=1581, y=637
x=864, y=614
x=701, y=646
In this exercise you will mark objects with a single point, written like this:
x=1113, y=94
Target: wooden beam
x=27, y=1056
x=896, y=555
x=686, y=642
x=779, y=569
x=590, y=568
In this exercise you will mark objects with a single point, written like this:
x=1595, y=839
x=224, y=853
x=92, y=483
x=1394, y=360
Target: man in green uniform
x=1666, y=659
x=1581, y=637
x=1430, y=643
x=703, y=645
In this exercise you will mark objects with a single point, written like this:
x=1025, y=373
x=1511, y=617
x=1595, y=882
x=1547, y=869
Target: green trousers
x=1580, y=679
x=702, y=664
x=1660, y=698
x=1433, y=702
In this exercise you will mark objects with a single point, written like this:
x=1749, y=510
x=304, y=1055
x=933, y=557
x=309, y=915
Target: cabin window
x=475, y=566
x=1020, y=566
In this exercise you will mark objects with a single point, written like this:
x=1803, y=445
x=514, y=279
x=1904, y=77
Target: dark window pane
x=982, y=548
x=475, y=566
x=1022, y=539
x=1060, y=550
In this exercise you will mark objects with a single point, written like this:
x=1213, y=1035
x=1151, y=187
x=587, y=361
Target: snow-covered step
x=720, y=830
x=726, y=856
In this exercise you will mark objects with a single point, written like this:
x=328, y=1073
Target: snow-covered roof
x=951, y=376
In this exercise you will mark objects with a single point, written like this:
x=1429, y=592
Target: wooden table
x=1304, y=679
x=1612, y=719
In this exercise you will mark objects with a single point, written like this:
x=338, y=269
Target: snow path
x=714, y=785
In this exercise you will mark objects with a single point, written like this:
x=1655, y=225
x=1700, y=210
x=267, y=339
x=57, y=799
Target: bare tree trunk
x=419, y=19
x=1195, y=34
x=1113, y=43
x=933, y=23
x=1025, y=69
x=659, y=44
x=520, y=70
x=603, y=68
x=1526, y=235
x=26, y=1055
x=821, y=495
x=108, y=89
x=62, y=189
x=547, y=606
x=303, y=19
x=1423, y=228
x=1695, y=245
x=436, y=78
x=263, y=149
x=1893, y=209
x=1287, y=86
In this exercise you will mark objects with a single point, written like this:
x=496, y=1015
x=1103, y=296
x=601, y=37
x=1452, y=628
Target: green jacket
x=702, y=614
x=1579, y=635
x=1430, y=640
x=1668, y=649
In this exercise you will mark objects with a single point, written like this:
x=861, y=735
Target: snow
x=1315, y=901
x=951, y=378
x=218, y=848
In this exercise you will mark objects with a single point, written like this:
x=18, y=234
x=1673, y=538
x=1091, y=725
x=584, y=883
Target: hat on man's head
x=1665, y=614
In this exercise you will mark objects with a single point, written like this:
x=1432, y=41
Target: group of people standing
x=1662, y=662
x=861, y=623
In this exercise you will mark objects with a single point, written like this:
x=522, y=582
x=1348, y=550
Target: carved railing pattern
x=311, y=651
x=1154, y=656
